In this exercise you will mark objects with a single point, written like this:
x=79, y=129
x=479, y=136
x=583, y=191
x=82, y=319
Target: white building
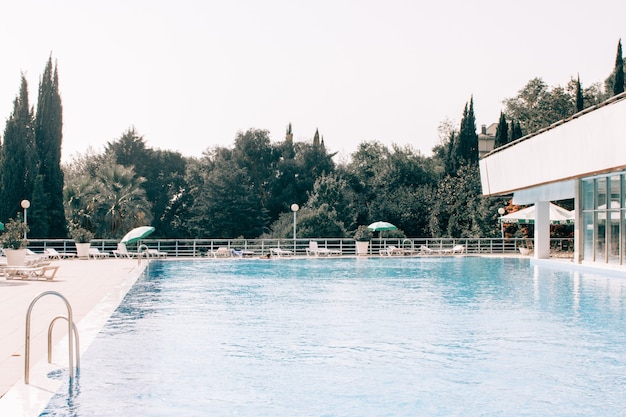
x=583, y=157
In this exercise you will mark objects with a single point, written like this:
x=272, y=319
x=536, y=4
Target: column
x=542, y=230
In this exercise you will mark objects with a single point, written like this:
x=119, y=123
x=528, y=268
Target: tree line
x=246, y=189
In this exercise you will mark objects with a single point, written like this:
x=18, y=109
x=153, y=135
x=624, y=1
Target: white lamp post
x=501, y=211
x=294, y=208
x=25, y=205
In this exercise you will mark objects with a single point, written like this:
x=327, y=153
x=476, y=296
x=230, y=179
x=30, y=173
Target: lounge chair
x=242, y=253
x=315, y=250
x=455, y=249
x=221, y=252
x=96, y=254
x=425, y=250
x=30, y=272
x=36, y=259
x=395, y=251
x=458, y=249
x=281, y=252
x=52, y=253
x=155, y=253
x=390, y=251
x=122, y=252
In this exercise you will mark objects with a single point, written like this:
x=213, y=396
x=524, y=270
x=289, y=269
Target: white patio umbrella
x=558, y=215
x=136, y=234
x=381, y=226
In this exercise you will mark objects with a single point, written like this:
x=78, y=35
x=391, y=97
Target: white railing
x=346, y=246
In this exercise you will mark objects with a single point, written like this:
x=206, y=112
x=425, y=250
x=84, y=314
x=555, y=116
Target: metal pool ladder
x=71, y=332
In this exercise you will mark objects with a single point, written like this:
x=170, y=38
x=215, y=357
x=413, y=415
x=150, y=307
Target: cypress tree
x=516, y=130
x=19, y=168
x=467, y=142
x=316, y=137
x=618, y=87
x=48, y=138
x=450, y=160
x=37, y=214
x=579, y=96
x=502, y=132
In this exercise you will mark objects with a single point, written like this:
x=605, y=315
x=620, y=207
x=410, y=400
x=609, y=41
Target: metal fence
x=261, y=247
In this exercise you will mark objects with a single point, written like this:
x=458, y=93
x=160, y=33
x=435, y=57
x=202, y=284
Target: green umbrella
x=380, y=226
x=136, y=234
x=1, y=226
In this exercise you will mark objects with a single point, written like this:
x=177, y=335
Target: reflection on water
x=352, y=337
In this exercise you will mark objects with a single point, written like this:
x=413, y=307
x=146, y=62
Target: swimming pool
x=458, y=336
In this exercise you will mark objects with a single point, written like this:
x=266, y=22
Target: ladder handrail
x=142, y=250
x=76, y=340
x=70, y=322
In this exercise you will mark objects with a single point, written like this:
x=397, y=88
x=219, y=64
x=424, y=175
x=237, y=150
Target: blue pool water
x=462, y=336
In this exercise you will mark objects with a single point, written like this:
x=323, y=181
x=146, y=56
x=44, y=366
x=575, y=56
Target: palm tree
x=118, y=201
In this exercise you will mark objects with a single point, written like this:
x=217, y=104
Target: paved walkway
x=94, y=288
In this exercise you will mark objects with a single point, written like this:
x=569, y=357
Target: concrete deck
x=94, y=289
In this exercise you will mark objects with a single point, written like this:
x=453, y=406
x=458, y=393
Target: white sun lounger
x=30, y=272
x=315, y=250
x=281, y=252
x=96, y=254
x=52, y=253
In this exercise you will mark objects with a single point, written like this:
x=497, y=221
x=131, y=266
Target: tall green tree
x=104, y=197
x=537, y=106
x=19, y=156
x=225, y=203
x=516, y=130
x=466, y=146
x=48, y=138
x=297, y=167
x=118, y=201
x=526, y=106
x=455, y=206
x=334, y=192
x=164, y=172
x=37, y=216
x=502, y=132
x=254, y=153
x=618, y=87
x=580, y=105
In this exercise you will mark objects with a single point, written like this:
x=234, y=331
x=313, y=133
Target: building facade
x=582, y=157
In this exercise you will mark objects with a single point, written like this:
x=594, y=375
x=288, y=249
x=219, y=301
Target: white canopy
x=558, y=215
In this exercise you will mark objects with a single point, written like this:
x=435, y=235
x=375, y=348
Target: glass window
x=623, y=239
x=588, y=236
x=613, y=236
x=588, y=194
x=601, y=193
x=600, y=251
x=623, y=187
x=615, y=195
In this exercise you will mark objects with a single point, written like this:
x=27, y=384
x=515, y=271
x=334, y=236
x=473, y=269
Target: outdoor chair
x=30, y=272
x=242, y=253
x=155, y=253
x=52, y=253
x=281, y=252
x=221, y=252
x=122, y=252
x=315, y=250
x=96, y=254
x=425, y=250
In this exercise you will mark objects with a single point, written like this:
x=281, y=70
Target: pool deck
x=93, y=288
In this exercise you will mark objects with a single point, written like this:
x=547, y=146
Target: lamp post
x=501, y=211
x=294, y=208
x=25, y=205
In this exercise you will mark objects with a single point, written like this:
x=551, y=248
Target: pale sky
x=190, y=74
